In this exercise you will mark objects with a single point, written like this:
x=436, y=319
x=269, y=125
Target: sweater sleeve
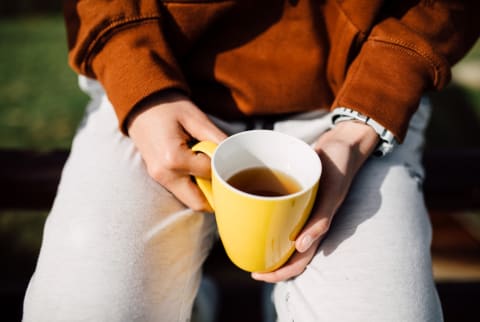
x=408, y=52
x=126, y=45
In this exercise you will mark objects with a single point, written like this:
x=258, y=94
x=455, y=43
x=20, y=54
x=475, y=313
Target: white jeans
x=119, y=247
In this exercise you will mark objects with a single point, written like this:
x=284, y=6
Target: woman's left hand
x=342, y=150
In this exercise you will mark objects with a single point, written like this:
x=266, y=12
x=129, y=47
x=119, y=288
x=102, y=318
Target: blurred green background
x=41, y=105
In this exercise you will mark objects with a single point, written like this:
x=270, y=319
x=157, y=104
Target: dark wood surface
x=28, y=179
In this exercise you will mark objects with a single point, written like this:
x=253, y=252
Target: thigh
x=116, y=245
x=374, y=264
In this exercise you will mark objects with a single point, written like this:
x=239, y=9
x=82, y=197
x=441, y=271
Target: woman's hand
x=161, y=131
x=342, y=150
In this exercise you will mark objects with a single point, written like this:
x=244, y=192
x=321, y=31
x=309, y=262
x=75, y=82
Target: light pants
x=119, y=247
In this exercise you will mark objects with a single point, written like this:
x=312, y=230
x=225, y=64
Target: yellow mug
x=258, y=228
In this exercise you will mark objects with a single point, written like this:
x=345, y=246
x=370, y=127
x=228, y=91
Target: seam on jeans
x=288, y=300
x=184, y=292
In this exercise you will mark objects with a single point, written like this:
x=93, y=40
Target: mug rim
x=307, y=188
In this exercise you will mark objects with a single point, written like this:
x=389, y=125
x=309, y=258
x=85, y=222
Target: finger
x=189, y=194
x=315, y=229
x=200, y=166
x=179, y=158
x=179, y=183
x=331, y=193
x=294, y=267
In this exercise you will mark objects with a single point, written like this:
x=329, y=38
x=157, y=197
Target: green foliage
x=473, y=54
x=40, y=103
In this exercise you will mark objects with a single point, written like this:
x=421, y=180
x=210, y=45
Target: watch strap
x=387, y=139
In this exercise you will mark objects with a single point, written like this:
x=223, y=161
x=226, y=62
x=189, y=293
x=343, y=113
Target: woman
x=128, y=233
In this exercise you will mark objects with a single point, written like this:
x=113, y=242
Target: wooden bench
x=28, y=181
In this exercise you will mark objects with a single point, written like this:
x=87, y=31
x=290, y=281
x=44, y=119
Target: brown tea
x=265, y=182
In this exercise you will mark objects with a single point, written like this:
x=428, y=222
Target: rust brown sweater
x=236, y=58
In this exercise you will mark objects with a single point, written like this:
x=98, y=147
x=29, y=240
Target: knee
x=79, y=271
x=74, y=236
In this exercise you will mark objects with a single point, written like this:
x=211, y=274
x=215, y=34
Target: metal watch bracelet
x=387, y=139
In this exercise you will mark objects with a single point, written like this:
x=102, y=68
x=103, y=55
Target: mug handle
x=205, y=185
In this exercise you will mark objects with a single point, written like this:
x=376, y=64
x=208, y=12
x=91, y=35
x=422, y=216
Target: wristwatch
x=387, y=139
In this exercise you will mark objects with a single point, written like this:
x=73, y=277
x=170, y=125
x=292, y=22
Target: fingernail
x=305, y=243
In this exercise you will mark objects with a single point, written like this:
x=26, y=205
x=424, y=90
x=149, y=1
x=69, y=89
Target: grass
x=40, y=103
x=473, y=54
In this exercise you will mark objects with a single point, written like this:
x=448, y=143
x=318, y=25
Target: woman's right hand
x=161, y=131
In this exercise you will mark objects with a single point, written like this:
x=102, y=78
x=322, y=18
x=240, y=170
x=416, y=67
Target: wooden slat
x=452, y=179
x=28, y=179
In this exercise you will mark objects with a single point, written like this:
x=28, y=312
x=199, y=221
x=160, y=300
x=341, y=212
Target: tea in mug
x=262, y=181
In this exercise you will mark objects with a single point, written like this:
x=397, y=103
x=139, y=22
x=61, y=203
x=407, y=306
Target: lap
x=125, y=249
x=373, y=265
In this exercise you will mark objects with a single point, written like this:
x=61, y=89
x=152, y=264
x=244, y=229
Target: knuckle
x=197, y=206
x=171, y=160
x=321, y=227
x=156, y=171
x=298, y=269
